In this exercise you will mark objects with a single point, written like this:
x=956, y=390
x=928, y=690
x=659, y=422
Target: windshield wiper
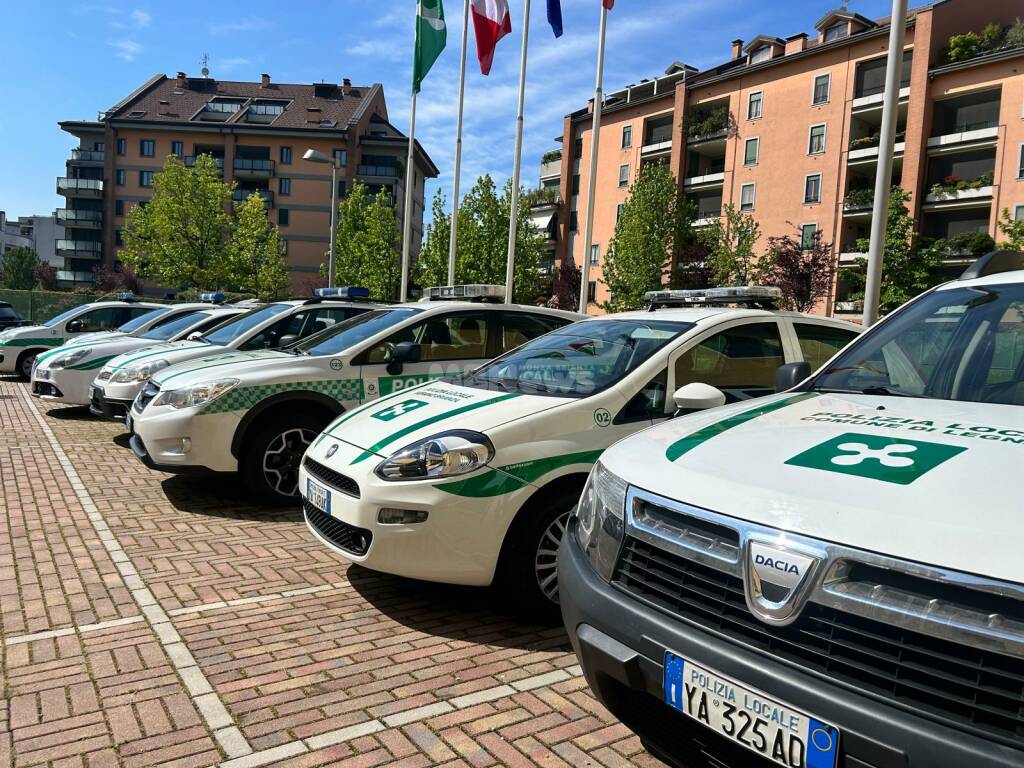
x=889, y=392
x=535, y=385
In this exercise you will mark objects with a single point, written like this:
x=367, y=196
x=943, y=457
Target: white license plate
x=318, y=496
x=748, y=717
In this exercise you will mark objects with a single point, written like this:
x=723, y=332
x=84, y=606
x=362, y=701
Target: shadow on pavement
x=122, y=440
x=71, y=413
x=221, y=496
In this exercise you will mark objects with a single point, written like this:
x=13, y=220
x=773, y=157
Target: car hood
x=28, y=332
x=390, y=423
x=221, y=364
x=100, y=351
x=927, y=480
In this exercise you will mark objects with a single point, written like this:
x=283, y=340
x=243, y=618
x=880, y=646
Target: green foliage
x=963, y=47
x=972, y=243
x=255, y=263
x=992, y=37
x=366, y=251
x=703, y=122
x=17, y=268
x=639, y=256
x=730, y=242
x=860, y=198
x=180, y=237
x=1012, y=230
x=1015, y=35
x=951, y=184
x=550, y=157
x=803, y=274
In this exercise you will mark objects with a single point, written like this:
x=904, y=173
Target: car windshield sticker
x=398, y=409
x=889, y=459
x=691, y=441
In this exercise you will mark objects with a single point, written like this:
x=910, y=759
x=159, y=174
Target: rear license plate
x=748, y=717
x=318, y=496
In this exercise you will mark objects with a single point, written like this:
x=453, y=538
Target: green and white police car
x=65, y=375
x=474, y=477
x=256, y=412
x=19, y=347
x=832, y=576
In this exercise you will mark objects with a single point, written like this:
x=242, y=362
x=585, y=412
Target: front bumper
x=620, y=643
x=65, y=386
x=100, y=404
x=185, y=441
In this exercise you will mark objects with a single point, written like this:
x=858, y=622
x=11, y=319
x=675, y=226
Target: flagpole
x=588, y=233
x=513, y=219
x=407, y=208
x=453, y=239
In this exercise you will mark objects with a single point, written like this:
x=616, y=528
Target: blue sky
x=68, y=60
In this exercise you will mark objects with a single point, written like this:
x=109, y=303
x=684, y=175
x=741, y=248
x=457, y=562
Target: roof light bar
x=741, y=294
x=343, y=292
x=475, y=292
x=126, y=296
x=212, y=298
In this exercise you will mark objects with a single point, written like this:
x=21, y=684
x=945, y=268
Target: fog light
x=389, y=516
x=180, y=447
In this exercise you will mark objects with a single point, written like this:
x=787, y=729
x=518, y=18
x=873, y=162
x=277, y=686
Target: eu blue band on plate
x=822, y=745
x=674, y=680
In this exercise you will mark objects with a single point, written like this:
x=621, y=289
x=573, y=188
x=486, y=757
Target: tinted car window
x=354, y=331
x=819, y=343
x=241, y=325
x=171, y=328
x=146, y=317
x=517, y=328
x=459, y=336
x=740, y=361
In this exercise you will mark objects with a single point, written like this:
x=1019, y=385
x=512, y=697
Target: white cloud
x=125, y=49
x=140, y=18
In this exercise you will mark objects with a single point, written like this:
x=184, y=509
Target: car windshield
x=228, y=332
x=65, y=315
x=146, y=317
x=355, y=330
x=962, y=344
x=578, y=360
x=8, y=313
x=172, y=328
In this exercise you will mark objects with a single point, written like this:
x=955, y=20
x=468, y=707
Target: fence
x=38, y=306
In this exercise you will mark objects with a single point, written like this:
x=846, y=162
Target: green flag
x=431, y=36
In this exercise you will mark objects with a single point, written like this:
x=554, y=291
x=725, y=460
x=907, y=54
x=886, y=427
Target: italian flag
x=491, y=23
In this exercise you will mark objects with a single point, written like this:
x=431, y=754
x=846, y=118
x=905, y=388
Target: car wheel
x=25, y=362
x=270, y=463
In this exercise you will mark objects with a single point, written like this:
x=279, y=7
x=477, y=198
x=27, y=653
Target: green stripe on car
x=512, y=477
x=34, y=342
x=92, y=365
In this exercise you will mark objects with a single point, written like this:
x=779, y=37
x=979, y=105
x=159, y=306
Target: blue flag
x=555, y=16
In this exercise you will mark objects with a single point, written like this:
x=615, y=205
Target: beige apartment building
x=787, y=130
x=258, y=133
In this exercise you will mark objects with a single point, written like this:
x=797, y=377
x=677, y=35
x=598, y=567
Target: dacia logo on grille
x=777, y=580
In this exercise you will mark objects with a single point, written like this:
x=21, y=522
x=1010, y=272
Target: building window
x=341, y=156
x=751, y=151
x=816, y=145
x=284, y=186
x=145, y=178
x=282, y=217
x=1018, y=212
x=623, y=175
x=341, y=188
x=147, y=148
x=591, y=292
x=119, y=207
x=822, y=86
x=119, y=177
x=812, y=189
x=576, y=184
x=627, y=136
x=178, y=148
x=747, y=193
x=754, y=102
x=1020, y=163
x=286, y=155
x=761, y=54
x=122, y=146
x=807, y=232
x=577, y=148
x=618, y=211
x=574, y=221
x=118, y=238
x=837, y=31
x=595, y=254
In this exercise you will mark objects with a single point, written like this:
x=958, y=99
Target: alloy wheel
x=545, y=562
x=282, y=458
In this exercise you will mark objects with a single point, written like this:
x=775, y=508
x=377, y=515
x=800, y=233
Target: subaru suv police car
x=65, y=375
x=462, y=480
x=20, y=346
x=831, y=576
x=257, y=412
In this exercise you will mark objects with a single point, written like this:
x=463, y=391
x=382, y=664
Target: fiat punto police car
x=257, y=412
x=65, y=375
x=20, y=346
x=831, y=576
x=464, y=479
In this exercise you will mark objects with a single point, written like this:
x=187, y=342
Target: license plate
x=318, y=496
x=748, y=717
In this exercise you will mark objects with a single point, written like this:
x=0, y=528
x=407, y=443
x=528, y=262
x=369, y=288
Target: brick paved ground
x=150, y=619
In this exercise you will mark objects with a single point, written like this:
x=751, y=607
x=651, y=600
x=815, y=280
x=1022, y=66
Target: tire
x=25, y=362
x=271, y=454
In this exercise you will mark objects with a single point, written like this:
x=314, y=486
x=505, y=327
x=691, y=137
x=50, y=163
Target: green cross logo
x=889, y=459
x=398, y=409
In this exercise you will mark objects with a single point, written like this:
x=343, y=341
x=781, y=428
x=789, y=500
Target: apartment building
x=787, y=130
x=39, y=233
x=258, y=133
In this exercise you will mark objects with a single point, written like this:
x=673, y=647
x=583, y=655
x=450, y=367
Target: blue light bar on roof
x=343, y=292
x=212, y=298
x=126, y=296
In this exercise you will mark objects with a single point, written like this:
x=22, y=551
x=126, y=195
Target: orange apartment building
x=787, y=130
x=258, y=133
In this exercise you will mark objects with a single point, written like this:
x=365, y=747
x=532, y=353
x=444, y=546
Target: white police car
x=20, y=346
x=65, y=375
x=831, y=576
x=462, y=480
x=256, y=412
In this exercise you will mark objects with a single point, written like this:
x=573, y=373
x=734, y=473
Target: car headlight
x=600, y=519
x=135, y=373
x=71, y=358
x=446, y=455
x=196, y=395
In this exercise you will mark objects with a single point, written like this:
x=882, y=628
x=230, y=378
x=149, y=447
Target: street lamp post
x=315, y=156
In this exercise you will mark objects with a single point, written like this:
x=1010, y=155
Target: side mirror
x=698, y=397
x=194, y=336
x=75, y=326
x=398, y=354
x=287, y=340
x=791, y=374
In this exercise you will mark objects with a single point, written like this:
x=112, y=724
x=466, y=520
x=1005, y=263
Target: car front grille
x=966, y=687
x=146, y=396
x=335, y=480
x=344, y=536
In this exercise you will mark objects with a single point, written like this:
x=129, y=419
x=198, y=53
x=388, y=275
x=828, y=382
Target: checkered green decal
x=244, y=398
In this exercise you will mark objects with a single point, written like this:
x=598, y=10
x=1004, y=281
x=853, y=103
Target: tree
x=17, y=268
x=639, y=255
x=730, y=241
x=803, y=274
x=1012, y=230
x=46, y=276
x=566, y=287
x=180, y=237
x=366, y=243
x=432, y=265
x=255, y=263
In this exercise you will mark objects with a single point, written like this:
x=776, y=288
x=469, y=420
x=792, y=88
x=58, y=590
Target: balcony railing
x=389, y=171
x=241, y=195
x=252, y=167
x=82, y=249
x=79, y=187
x=71, y=276
x=869, y=142
x=87, y=155
x=190, y=161
x=659, y=135
x=859, y=199
x=69, y=217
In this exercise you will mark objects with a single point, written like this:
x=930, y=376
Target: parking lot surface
x=150, y=619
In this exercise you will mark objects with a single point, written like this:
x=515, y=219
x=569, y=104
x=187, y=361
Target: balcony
x=551, y=170
x=69, y=217
x=952, y=199
x=71, y=276
x=706, y=181
x=79, y=187
x=858, y=203
x=965, y=137
x=190, y=162
x=240, y=195
x=79, y=249
x=872, y=99
x=385, y=171
x=248, y=168
x=81, y=156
